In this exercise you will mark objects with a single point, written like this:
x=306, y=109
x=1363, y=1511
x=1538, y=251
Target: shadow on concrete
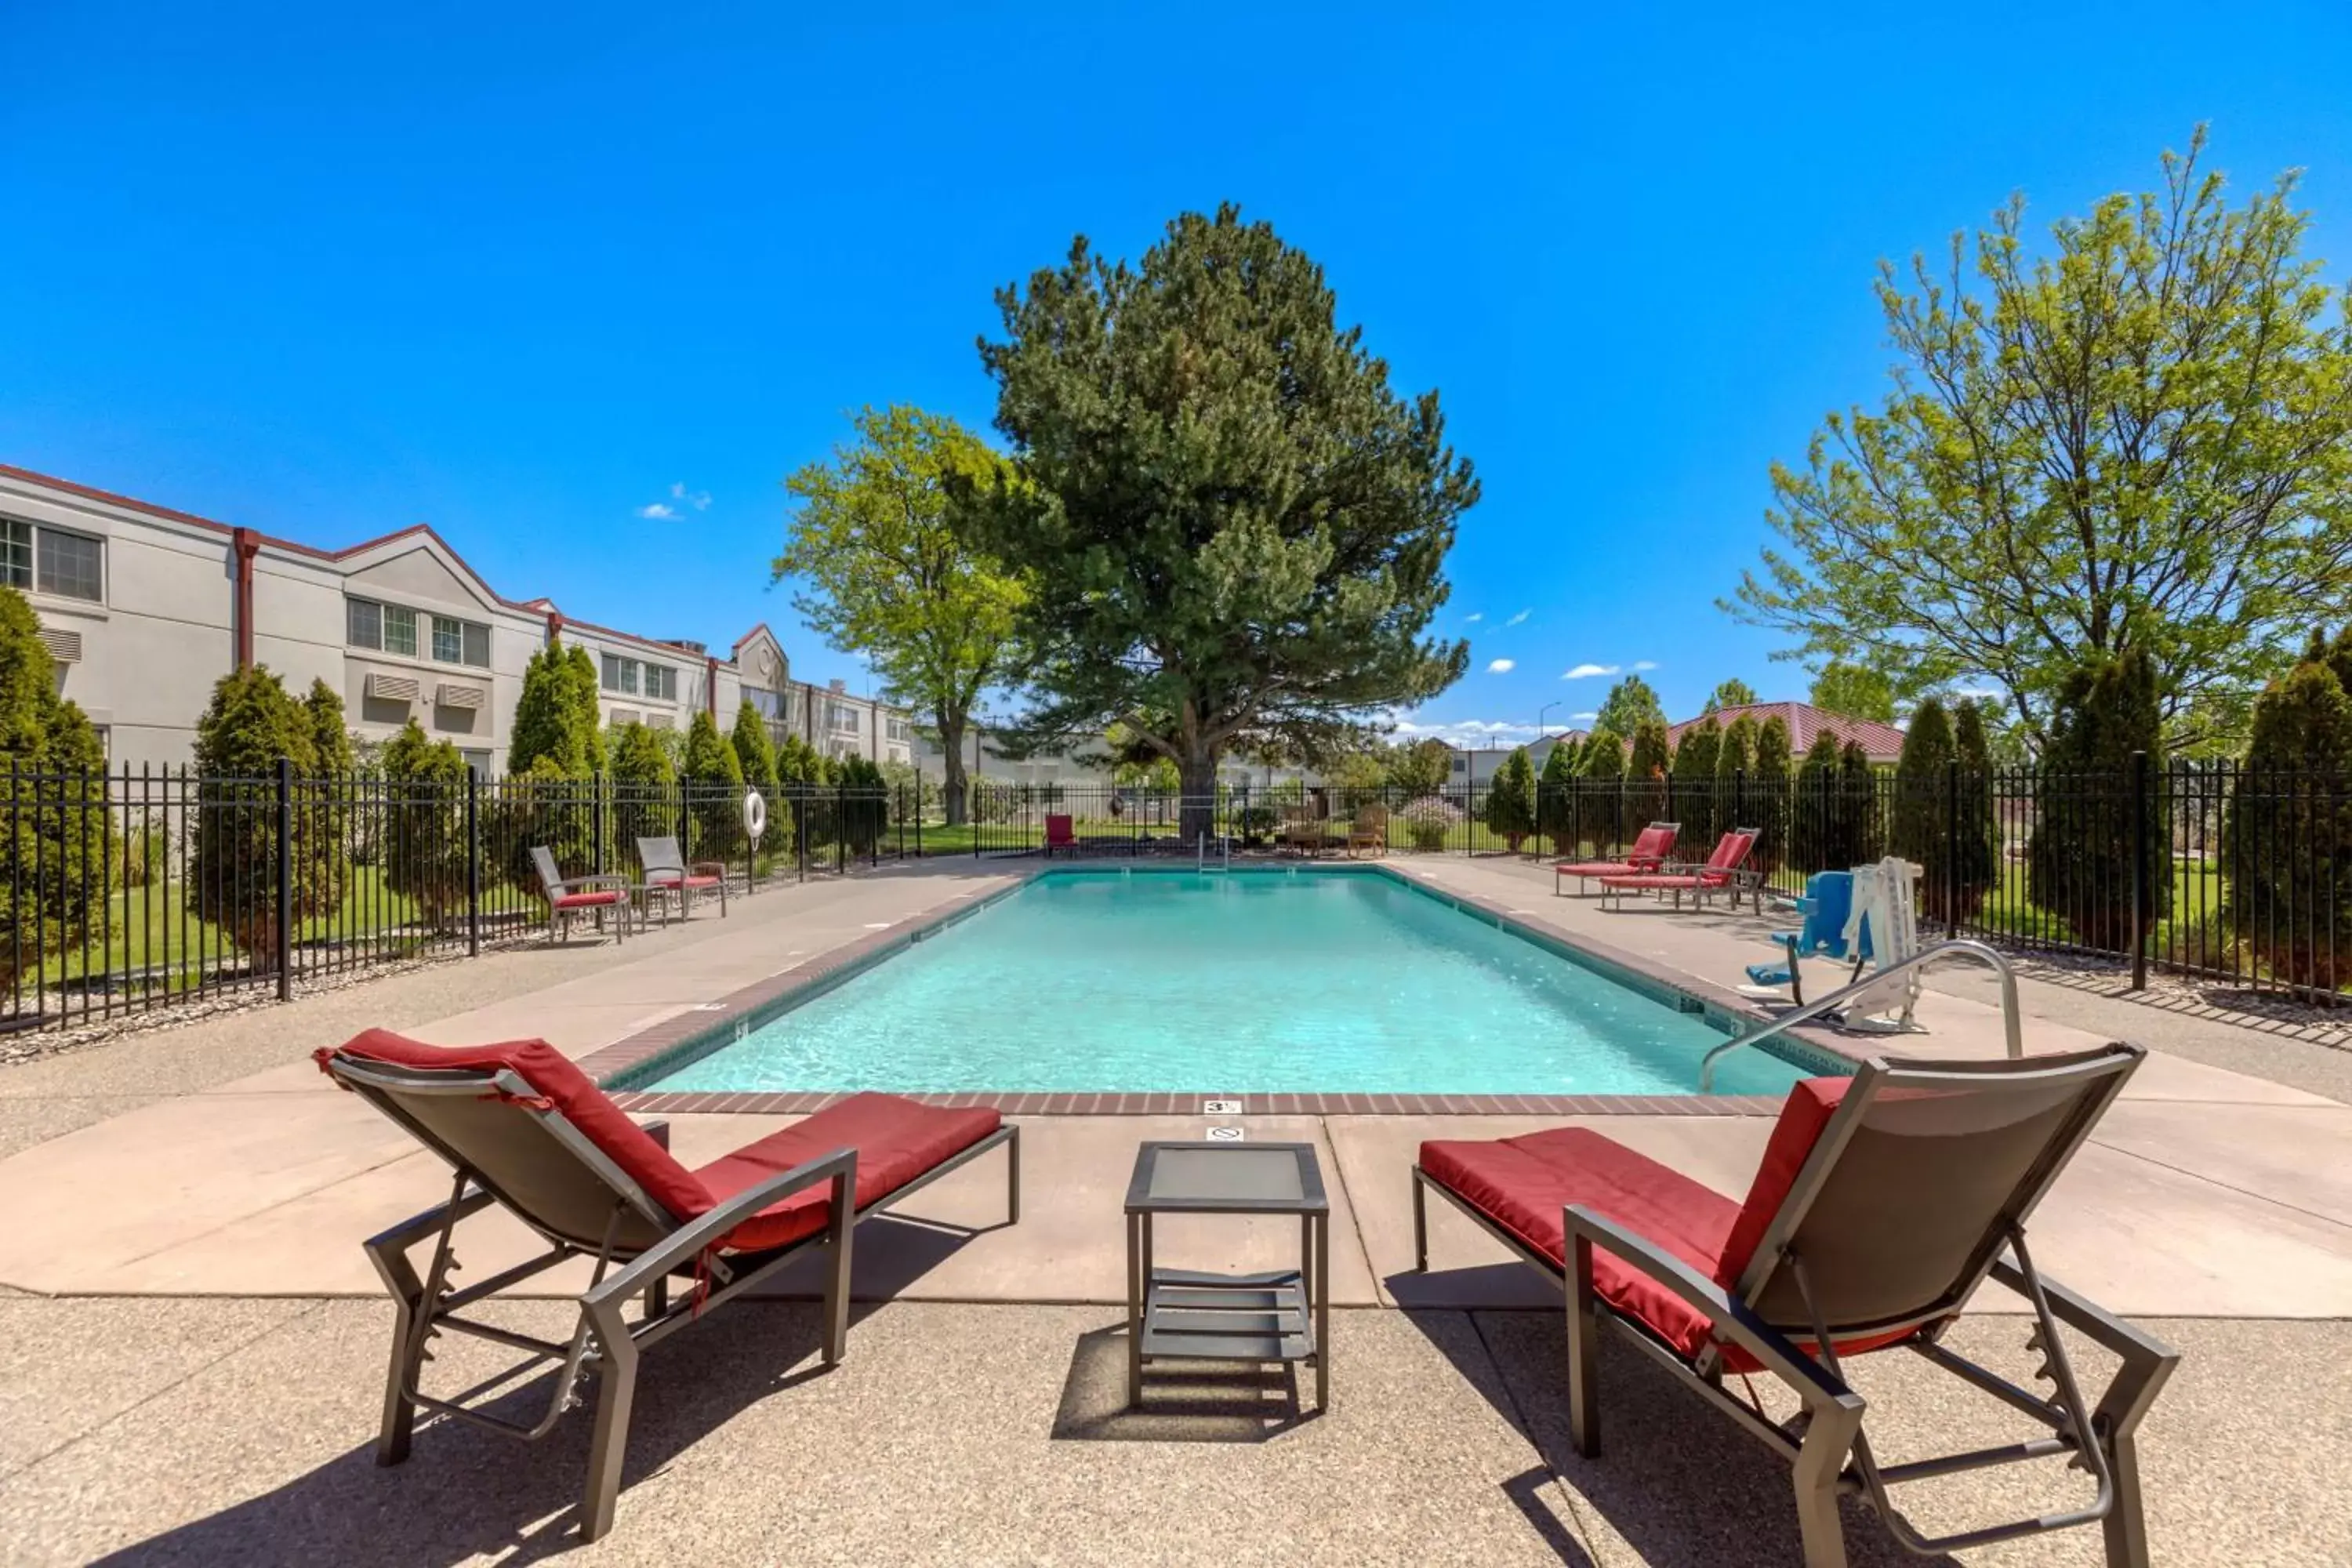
x=891, y=1252
x=1674, y=1479
x=1183, y=1401
x=466, y=1493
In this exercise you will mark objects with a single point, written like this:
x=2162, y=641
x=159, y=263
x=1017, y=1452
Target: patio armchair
x=574, y=897
x=522, y=1127
x=1369, y=830
x=667, y=873
x=1060, y=834
x=1652, y=847
x=1302, y=829
x=1883, y=1203
x=1726, y=870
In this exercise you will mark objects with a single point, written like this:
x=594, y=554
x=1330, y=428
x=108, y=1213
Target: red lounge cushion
x=1803, y=1114
x=1663, y=879
x=588, y=900
x=553, y=1076
x=1594, y=867
x=1524, y=1183
x=672, y=879
x=896, y=1140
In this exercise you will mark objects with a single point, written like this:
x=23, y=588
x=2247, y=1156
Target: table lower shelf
x=1227, y=1316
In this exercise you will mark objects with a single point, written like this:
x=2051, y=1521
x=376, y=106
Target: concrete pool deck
x=201, y=1385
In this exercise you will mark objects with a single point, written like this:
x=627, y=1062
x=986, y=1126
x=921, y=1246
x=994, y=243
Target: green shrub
x=714, y=788
x=425, y=852
x=2288, y=834
x=55, y=833
x=1600, y=802
x=1556, y=798
x=2079, y=861
x=1767, y=796
x=757, y=757
x=1735, y=760
x=1694, y=778
x=1511, y=800
x=1429, y=821
x=1646, y=777
x=1818, y=837
x=644, y=788
x=251, y=723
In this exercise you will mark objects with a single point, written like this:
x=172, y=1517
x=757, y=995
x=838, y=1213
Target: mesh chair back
x=529, y=1157
x=1918, y=1181
x=661, y=856
x=542, y=860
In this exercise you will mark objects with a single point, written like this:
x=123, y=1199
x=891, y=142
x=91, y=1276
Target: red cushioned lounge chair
x=575, y=898
x=1059, y=834
x=525, y=1129
x=667, y=873
x=1724, y=871
x=1883, y=1203
x=1650, y=848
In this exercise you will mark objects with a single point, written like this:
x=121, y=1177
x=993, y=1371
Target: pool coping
x=804, y=981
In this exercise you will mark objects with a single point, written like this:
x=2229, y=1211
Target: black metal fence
x=2208, y=871
x=128, y=891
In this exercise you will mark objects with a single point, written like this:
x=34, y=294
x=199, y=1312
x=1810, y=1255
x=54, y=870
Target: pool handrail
x=2011, y=1028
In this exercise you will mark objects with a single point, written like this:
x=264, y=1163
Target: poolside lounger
x=667, y=872
x=1882, y=1201
x=1825, y=907
x=1724, y=871
x=571, y=898
x=1650, y=848
x=1059, y=834
x=523, y=1128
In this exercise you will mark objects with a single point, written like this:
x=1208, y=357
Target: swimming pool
x=1246, y=982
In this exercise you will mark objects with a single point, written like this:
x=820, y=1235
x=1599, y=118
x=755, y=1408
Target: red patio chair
x=1650, y=848
x=1883, y=1203
x=668, y=874
x=1724, y=871
x=523, y=1128
x=1059, y=834
x=573, y=897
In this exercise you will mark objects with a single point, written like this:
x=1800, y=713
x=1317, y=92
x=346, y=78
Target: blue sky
x=330, y=271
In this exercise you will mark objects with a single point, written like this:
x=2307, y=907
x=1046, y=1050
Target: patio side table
x=1284, y=1316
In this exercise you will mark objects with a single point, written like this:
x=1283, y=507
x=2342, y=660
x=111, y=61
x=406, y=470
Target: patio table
x=1181, y=1314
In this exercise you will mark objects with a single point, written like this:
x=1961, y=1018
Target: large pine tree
x=1233, y=530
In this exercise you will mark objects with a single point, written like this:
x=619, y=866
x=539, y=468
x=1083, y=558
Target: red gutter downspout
x=244, y=544
x=554, y=626
x=711, y=687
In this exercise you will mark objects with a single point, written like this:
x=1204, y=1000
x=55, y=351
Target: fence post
x=2139, y=890
x=473, y=867
x=1951, y=848
x=285, y=878
x=596, y=823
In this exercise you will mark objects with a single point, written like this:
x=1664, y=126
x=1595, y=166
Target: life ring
x=755, y=813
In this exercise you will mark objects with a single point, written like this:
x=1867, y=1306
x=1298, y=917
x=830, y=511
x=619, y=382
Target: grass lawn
x=143, y=927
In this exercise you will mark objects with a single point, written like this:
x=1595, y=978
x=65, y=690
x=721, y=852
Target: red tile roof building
x=1883, y=742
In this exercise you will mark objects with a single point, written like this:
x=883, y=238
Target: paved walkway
x=197, y=1392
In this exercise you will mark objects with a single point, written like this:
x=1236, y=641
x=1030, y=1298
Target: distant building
x=1476, y=765
x=1883, y=742
x=143, y=608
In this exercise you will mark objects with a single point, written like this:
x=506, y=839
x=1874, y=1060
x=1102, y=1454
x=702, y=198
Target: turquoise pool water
x=1248, y=981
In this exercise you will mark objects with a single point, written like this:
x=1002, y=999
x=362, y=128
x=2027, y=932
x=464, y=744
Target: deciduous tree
x=880, y=534
x=1732, y=693
x=1230, y=526
x=1629, y=702
x=1853, y=691
x=2139, y=438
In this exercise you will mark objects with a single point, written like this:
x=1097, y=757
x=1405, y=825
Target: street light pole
x=1539, y=717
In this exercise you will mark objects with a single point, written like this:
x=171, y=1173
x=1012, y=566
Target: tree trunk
x=951, y=747
x=1196, y=775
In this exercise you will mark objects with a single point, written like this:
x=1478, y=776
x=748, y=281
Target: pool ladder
x=1224, y=852
x=2013, y=1029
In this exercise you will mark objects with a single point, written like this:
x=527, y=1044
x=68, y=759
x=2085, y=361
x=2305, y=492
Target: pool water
x=1243, y=982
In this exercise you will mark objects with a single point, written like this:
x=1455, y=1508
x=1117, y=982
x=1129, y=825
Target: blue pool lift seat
x=1827, y=903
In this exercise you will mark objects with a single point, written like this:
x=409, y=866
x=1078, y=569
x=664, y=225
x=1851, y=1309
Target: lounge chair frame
x=605, y=1342
x=1826, y=1446
x=1740, y=879
x=663, y=861
x=1630, y=864
x=559, y=921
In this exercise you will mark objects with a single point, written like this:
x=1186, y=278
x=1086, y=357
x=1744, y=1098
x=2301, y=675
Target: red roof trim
x=425, y=530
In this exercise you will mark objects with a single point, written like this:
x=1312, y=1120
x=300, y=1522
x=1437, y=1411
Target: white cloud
x=1468, y=733
x=1479, y=615
x=1586, y=671
x=1502, y=666
x=1584, y=715
x=699, y=500
x=658, y=511
x=1645, y=664
x=1522, y=615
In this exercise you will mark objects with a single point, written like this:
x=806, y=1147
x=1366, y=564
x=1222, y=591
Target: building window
x=71, y=565
x=896, y=730
x=392, y=628
x=1461, y=764
x=633, y=677
x=840, y=716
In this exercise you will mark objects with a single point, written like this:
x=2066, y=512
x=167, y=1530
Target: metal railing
x=2012, y=1028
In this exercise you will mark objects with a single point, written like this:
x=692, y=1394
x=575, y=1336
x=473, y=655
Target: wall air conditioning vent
x=452, y=695
x=394, y=688
x=661, y=721
x=625, y=715
x=64, y=647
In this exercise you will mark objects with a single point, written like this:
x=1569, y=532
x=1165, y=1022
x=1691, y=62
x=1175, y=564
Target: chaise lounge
x=522, y=1127
x=1724, y=871
x=1883, y=1203
x=1650, y=848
